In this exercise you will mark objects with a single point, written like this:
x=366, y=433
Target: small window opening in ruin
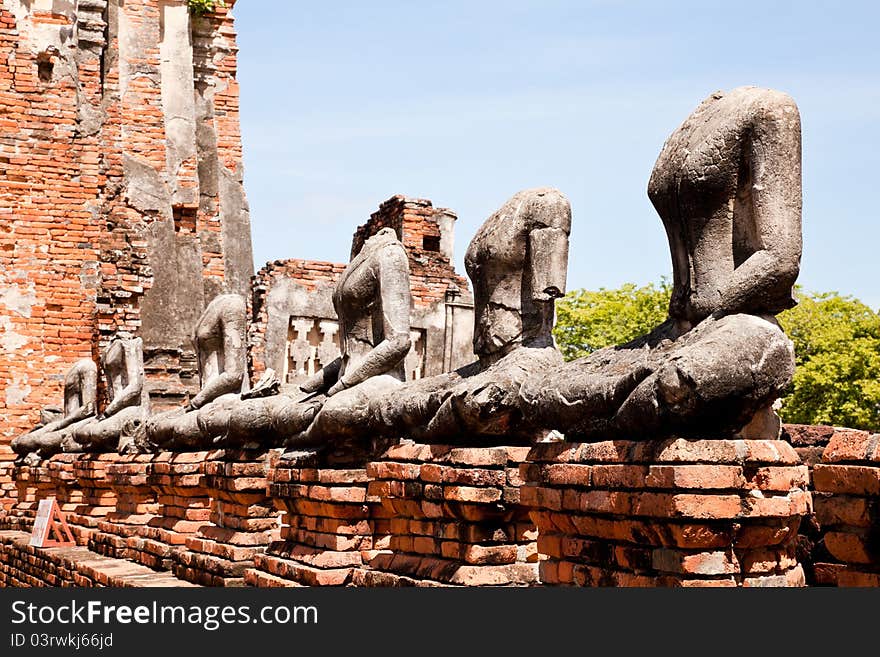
x=431, y=243
x=184, y=218
x=45, y=66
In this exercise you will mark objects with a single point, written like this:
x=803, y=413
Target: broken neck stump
x=667, y=513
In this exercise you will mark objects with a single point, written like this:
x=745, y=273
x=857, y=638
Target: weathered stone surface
x=517, y=263
x=727, y=186
x=219, y=338
x=80, y=401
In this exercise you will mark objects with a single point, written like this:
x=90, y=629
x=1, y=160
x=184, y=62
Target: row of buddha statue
x=727, y=187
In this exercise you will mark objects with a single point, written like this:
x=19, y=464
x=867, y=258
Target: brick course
x=670, y=513
x=847, y=498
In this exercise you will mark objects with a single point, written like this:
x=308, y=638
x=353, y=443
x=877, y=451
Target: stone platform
x=670, y=513
x=662, y=513
x=847, y=499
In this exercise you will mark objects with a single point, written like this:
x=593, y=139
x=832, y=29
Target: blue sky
x=345, y=104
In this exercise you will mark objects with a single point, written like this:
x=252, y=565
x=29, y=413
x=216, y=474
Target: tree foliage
x=837, y=350
x=588, y=320
x=836, y=338
x=201, y=7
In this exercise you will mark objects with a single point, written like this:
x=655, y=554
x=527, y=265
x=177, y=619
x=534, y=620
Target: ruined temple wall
x=292, y=300
x=121, y=202
x=282, y=290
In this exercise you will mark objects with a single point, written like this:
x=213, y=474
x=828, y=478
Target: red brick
x=847, y=479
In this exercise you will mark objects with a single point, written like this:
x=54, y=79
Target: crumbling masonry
x=123, y=214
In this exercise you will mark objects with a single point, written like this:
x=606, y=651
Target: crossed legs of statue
x=710, y=380
x=104, y=435
x=473, y=403
x=48, y=440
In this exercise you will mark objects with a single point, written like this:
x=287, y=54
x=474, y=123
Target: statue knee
x=291, y=417
x=22, y=445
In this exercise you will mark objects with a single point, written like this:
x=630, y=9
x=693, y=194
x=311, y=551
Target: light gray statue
x=517, y=262
x=123, y=365
x=219, y=340
x=80, y=395
x=727, y=186
x=373, y=302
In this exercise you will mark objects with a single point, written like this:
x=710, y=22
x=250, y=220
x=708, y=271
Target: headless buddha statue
x=727, y=186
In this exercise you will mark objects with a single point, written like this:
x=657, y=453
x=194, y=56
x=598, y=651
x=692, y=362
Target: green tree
x=837, y=350
x=201, y=7
x=588, y=320
x=836, y=339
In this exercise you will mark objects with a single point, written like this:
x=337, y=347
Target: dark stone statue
x=80, y=398
x=517, y=262
x=123, y=365
x=220, y=343
x=373, y=302
x=727, y=186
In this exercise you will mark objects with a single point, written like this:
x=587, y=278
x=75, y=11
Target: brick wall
x=417, y=224
x=113, y=220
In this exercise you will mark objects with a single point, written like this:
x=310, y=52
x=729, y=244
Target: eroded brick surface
x=847, y=499
x=669, y=513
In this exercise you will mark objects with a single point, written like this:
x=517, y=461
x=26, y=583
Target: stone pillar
x=243, y=520
x=847, y=498
x=326, y=532
x=452, y=517
x=667, y=513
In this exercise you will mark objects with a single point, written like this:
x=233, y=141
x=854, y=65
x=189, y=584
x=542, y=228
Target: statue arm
x=130, y=395
x=234, y=359
x=87, y=383
x=323, y=378
x=396, y=302
x=775, y=203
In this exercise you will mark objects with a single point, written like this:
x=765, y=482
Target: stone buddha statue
x=80, y=399
x=123, y=365
x=727, y=186
x=373, y=301
x=517, y=263
x=220, y=343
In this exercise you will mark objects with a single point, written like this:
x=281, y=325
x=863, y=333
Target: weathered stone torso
x=701, y=187
x=358, y=303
